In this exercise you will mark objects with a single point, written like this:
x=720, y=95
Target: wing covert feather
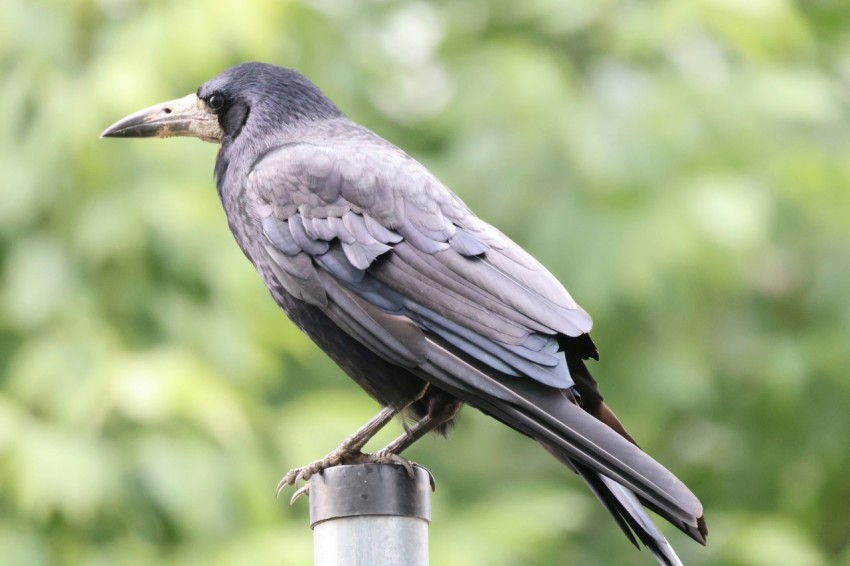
x=358, y=211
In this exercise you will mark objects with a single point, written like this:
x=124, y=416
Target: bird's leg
x=413, y=433
x=436, y=416
x=389, y=454
x=347, y=452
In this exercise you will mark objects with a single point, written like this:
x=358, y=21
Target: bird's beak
x=187, y=116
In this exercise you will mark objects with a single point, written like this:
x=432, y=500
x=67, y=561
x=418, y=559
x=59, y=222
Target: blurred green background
x=682, y=166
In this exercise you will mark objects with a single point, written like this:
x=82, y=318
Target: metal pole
x=370, y=515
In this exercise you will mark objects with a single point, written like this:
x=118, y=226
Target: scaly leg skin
x=348, y=452
x=389, y=454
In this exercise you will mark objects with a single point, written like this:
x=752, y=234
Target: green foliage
x=681, y=166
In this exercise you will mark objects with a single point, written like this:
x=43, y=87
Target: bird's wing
x=379, y=223
x=400, y=263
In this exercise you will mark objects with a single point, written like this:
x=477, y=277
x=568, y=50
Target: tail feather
x=625, y=508
x=622, y=502
x=623, y=477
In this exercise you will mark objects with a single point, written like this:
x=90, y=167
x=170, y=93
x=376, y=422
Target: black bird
x=419, y=301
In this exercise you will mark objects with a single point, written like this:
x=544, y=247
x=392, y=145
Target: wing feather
x=419, y=241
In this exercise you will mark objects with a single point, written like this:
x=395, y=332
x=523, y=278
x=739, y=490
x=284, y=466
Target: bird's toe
x=297, y=475
x=385, y=457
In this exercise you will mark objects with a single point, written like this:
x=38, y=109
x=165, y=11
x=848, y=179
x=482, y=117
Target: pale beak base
x=187, y=116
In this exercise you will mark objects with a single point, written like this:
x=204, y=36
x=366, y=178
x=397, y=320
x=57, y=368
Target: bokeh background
x=682, y=166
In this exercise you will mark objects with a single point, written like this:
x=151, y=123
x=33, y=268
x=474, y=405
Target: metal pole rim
x=370, y=489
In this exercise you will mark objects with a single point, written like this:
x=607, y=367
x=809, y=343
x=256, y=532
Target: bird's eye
x=216, y=102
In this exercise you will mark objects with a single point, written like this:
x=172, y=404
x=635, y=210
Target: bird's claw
x=382, y=457
x=281, y=484
x=303, y=490
x=297, y=475
x=292, y=477
x=303, y=474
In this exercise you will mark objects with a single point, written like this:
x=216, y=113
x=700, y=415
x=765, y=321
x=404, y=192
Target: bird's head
x=259, y=96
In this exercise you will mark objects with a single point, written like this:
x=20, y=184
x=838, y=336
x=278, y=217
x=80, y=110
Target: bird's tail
x=626, y=509
x=623, y=477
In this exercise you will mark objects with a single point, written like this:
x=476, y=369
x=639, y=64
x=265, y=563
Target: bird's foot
x=387, y=457
x=338, y=458
x=293, y=477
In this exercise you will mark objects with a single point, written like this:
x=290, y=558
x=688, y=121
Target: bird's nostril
x=167, y=110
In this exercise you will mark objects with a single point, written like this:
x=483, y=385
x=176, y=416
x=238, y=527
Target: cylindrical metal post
x=370, y=515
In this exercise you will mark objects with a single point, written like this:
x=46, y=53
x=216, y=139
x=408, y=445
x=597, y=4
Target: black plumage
x=422, y=303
